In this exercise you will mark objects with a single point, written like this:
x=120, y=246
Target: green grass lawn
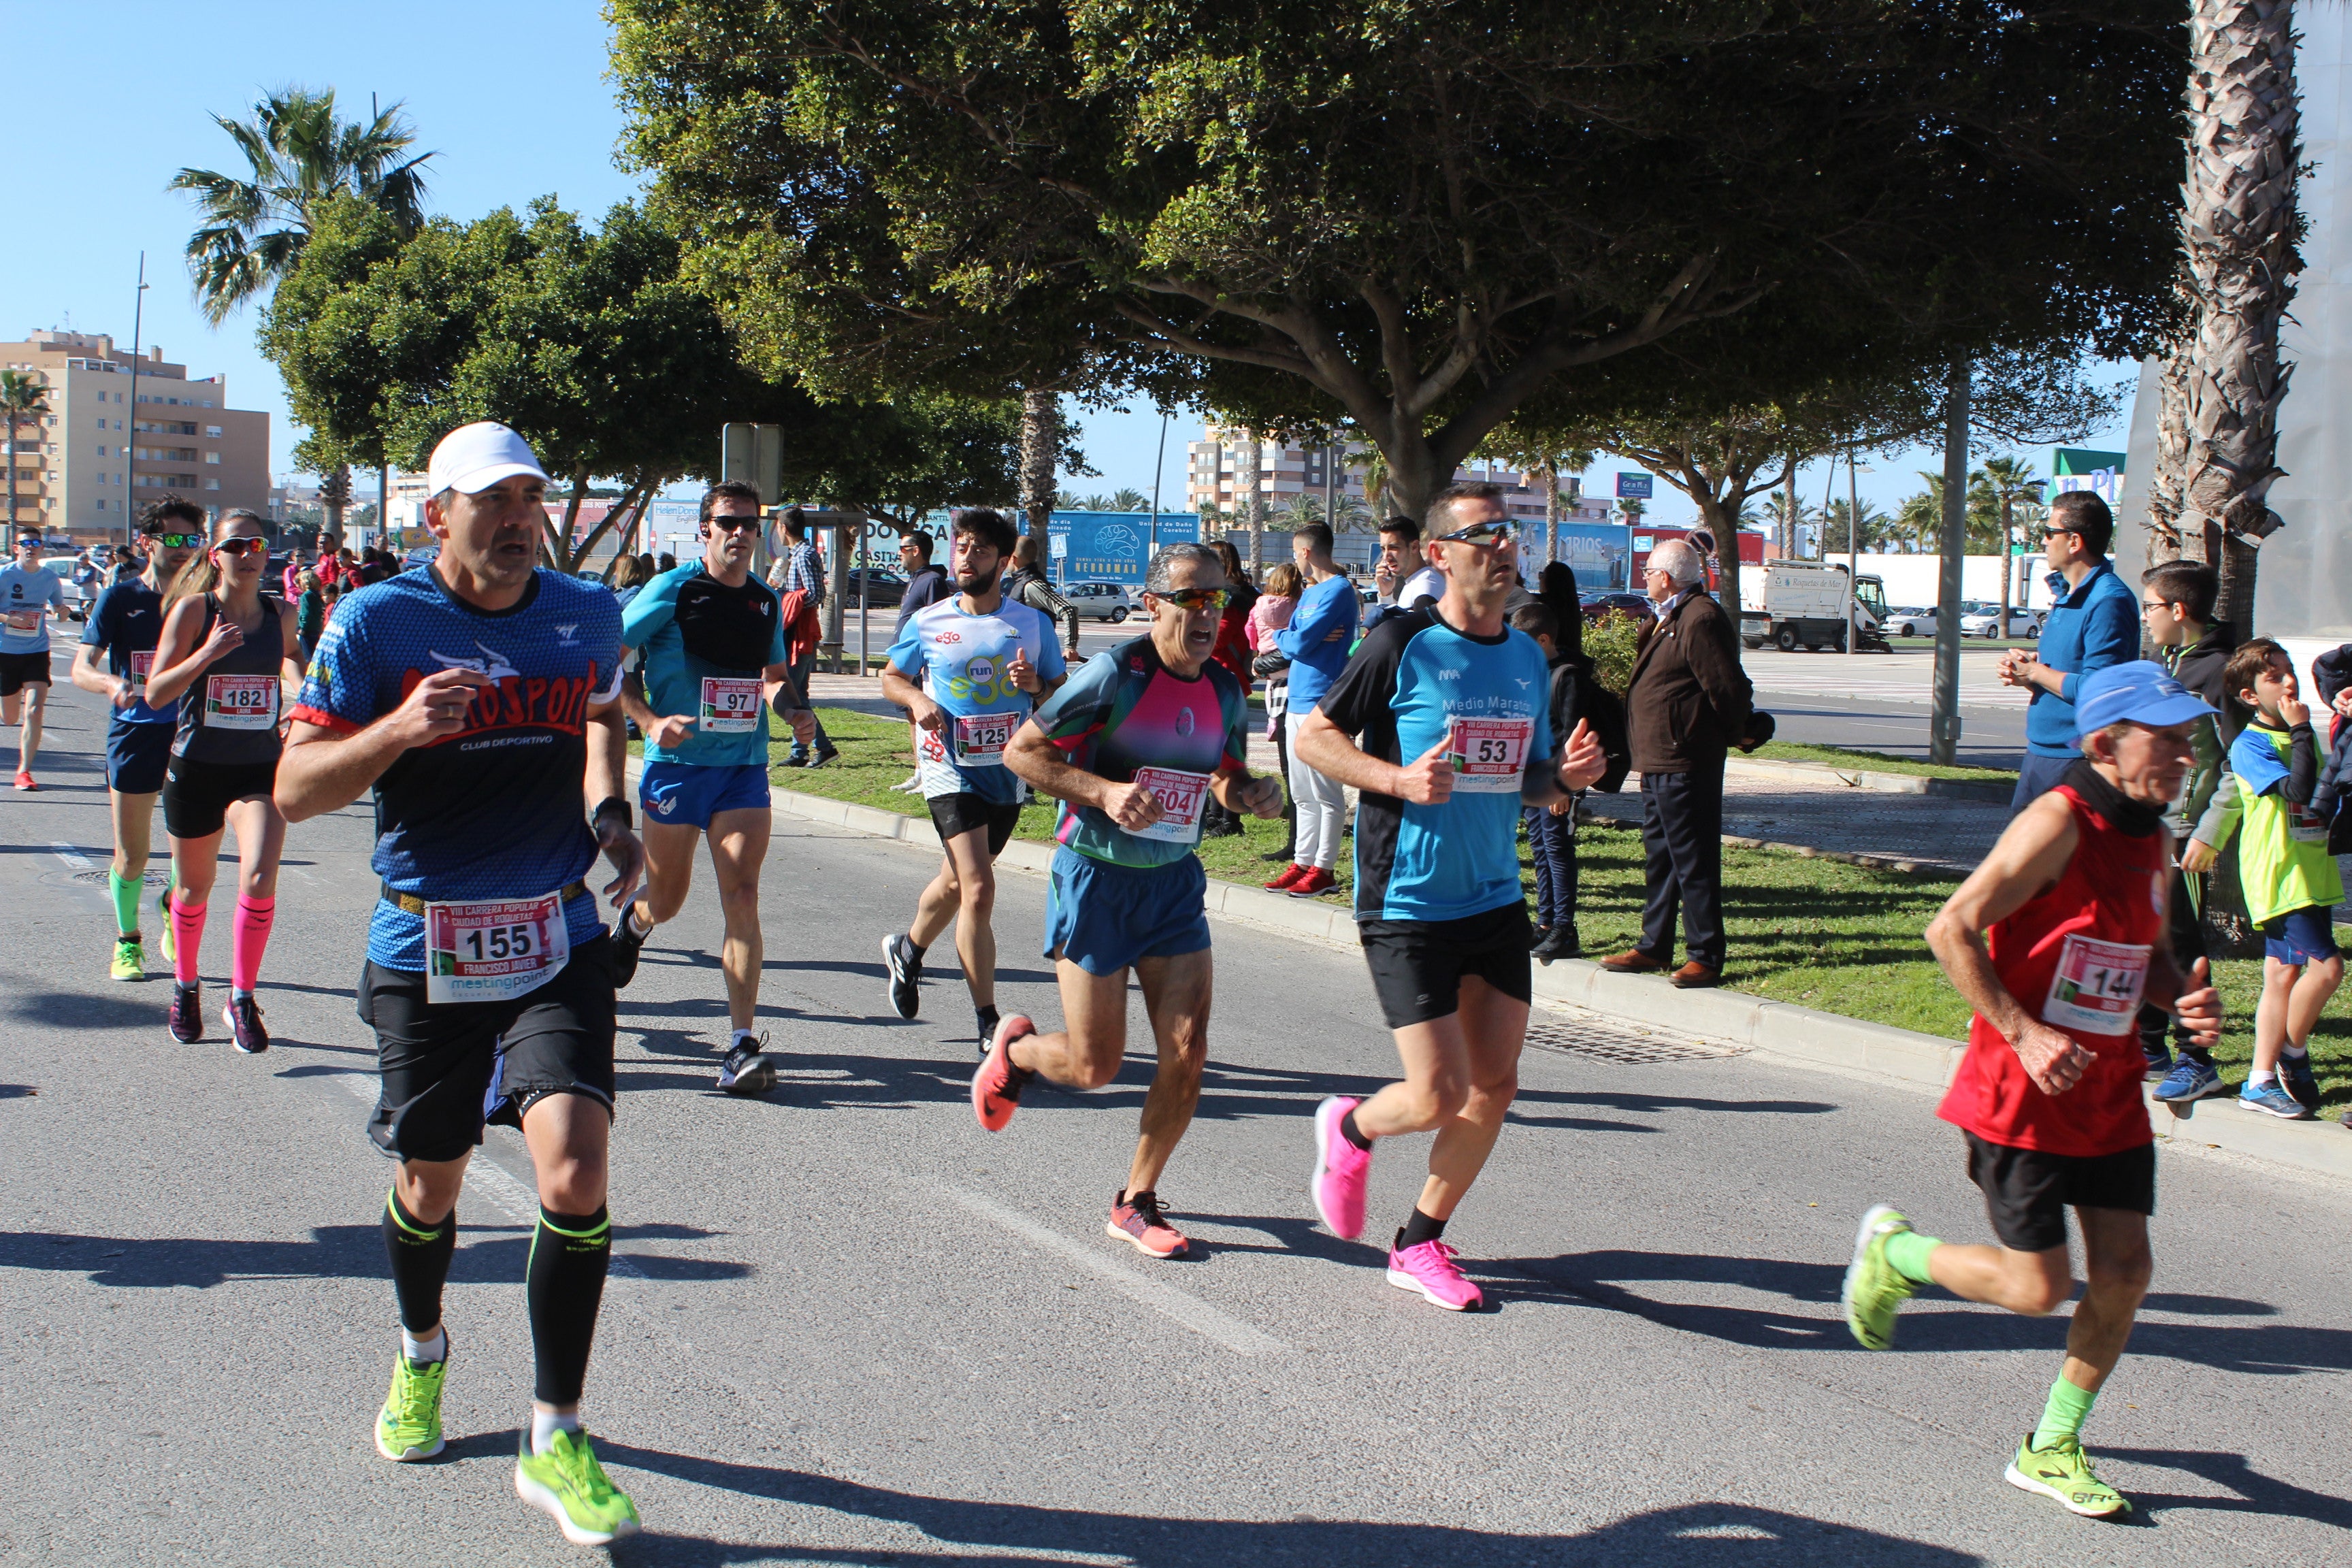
x=1820, y=933
x=1855, y=759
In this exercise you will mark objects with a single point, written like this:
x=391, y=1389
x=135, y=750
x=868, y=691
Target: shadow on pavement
x=2256, y=1493
x=488, y=1255
x=1696, y=1535
x=1598, y=1278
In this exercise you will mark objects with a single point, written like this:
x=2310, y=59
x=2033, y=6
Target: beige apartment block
x=106, y=449
x=1217, y=475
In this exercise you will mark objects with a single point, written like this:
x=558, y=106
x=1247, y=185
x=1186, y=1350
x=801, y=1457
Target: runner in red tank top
x=2056, y=941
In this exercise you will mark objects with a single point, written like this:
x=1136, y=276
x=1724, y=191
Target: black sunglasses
x=1493, y=530
x=732, y=522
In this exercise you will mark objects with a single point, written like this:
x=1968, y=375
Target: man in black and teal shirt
x=122, y=628
x=1132, y=746
x=1443, y=720
x=715, y=663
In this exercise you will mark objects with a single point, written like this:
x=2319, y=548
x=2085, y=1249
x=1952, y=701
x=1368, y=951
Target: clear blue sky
x=523, y=110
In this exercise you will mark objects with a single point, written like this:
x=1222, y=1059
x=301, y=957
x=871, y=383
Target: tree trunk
x=2164, y=538
x=2005, y=557
x=2238, y=230
x=1254, y=513
x=1791, y=540
x=1722, y=523
x=1550, y=472
x=1041, y=432
x=14, y=526
x=555, y=540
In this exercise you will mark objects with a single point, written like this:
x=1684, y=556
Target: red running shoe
x=1290, y=873
x=1316, y=881
x=1138, y=1222
x=25, y=780
x=996, y=1086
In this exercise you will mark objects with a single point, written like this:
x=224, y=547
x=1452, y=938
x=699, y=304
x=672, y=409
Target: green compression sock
x=1906, y=1254
x=2064, y=1415
x=126, y=902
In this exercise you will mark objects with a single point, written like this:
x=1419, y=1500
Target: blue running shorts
x=1103, y=917
x=685, y=794
x=2302, y=936
x=136, y=755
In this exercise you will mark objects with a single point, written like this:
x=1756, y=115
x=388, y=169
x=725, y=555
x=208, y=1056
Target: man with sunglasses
x=716, y=663
x=969, y=669
x=2093, y=623
x=1132, y=747
x=1443, y=720
x=123, y=627
x=28, y=592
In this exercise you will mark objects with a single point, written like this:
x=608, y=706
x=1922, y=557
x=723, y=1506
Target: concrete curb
x=1822, y=774
x=1802, y=1036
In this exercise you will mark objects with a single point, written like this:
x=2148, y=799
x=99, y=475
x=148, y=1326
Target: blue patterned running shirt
x=499, y=809
x=959, y=660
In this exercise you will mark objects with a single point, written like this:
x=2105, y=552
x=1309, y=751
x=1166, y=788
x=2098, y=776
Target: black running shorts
x=958, y=814
x=1418, y=965
x=18, y=670
x=2027, y=1193
x=449, y=1068
x=197, y=796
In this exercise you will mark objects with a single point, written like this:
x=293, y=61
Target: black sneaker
x=794, y=762
x=626, y=945
x=823, y=755
x=906, y=966
x=187, y=1016
x=1559, y=941
x=747, y=1070
x=243, y=1018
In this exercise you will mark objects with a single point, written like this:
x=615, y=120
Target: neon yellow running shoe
x=569, y=1483
x=1873, y=1291
x=410, y=1427
x=164, y=941
x=130, y=960
x=2062, y=1473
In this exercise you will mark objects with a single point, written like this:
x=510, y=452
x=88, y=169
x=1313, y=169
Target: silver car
x=78, y=599
x=1100, y=601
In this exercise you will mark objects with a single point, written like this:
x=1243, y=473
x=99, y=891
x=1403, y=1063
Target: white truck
x=1802, y=603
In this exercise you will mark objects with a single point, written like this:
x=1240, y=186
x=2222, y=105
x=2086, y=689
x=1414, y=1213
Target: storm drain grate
x=153, y=878
x=1625, y=1045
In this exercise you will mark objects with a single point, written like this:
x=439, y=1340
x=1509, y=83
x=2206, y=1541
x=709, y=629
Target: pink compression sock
x=248, y=938
x=188, y=936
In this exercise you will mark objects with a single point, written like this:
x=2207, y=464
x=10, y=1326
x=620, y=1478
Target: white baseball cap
x=472, y=458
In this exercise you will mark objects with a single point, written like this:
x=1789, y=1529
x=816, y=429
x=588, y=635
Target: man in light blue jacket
x=2093, y=623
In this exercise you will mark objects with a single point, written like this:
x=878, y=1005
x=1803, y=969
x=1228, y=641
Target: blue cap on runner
x=2140, y=692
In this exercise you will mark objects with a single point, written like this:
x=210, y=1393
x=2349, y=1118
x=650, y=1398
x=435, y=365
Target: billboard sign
x=1114, y=546
x=2101, y=473
x=1633, y=487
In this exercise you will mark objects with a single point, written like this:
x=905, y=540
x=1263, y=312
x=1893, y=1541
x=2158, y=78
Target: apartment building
x=1217, y=477
x=107, y=448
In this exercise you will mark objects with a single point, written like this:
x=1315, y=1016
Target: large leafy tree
x=1418, y=218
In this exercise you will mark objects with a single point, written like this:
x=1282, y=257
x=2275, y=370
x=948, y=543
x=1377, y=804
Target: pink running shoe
x=1430, y=1268
x=1340, y=1169
x=996, y=1086
x=1140, y=1222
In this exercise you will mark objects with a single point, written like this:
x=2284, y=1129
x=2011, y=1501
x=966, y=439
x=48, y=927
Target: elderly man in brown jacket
x=1687, y=705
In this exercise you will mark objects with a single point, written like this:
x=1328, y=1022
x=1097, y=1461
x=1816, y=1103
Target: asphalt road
x=846, y=1327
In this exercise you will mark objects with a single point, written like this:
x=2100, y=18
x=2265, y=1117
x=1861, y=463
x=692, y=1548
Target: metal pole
x=865, y=586
x=1944, y=732
x=1152, y=548
x=1852, y=546
x=130, y=459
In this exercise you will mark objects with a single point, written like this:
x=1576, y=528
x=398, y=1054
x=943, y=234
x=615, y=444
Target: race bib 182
x=241, y=701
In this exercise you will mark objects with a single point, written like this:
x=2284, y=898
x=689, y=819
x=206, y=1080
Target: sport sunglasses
x=1493, y=530
x=1195, y=598
x=179, y=540
x=243, y=546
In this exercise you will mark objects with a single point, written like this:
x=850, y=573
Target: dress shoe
x=1632, y=962
x=1695, y=976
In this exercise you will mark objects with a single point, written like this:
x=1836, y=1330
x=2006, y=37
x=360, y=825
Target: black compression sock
x=564, y=1285
x=419, y=1254
x=1351, y=1133
x=2198, y=1054
x=1418, y=1229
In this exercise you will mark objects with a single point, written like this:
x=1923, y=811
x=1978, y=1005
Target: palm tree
x=2007, y=480
x=2223, y=384
x=1299, y=510
x=1127, y=501
x=334, y=495
x=298, y=154
x=1375, y=464
x=24, y=398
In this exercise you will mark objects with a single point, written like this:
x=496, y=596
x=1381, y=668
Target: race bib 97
x=241, y=701
x=730, y=707
x=1488, y=754
x=489, y=950
x=1180, y=795
x=2097, y=987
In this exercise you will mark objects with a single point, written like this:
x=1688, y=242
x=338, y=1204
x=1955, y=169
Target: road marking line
x=71, y=855
x=1184, y=1308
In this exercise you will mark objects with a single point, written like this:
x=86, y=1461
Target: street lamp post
x=130, y=451
x=1853, y=549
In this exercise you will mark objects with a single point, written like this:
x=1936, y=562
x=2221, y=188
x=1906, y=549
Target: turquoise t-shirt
x=706, y=646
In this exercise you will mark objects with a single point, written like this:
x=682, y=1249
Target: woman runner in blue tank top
x=231, y=650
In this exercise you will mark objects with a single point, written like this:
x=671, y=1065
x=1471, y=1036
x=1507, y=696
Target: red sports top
x=2099, y=924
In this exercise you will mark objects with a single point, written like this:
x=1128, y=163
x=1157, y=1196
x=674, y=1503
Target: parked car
x=1911, y=621
x=423, y=555
x=1101, y=601
x=1983, y=621
x=1600, y=607
x=883, y=588
x=78, y=599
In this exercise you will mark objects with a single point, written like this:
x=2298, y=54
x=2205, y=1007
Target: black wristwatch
x=612, y=803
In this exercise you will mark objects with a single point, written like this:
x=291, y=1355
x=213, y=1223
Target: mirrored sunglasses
x=1493, y=530
x=1196, y=598
x=248, y=546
